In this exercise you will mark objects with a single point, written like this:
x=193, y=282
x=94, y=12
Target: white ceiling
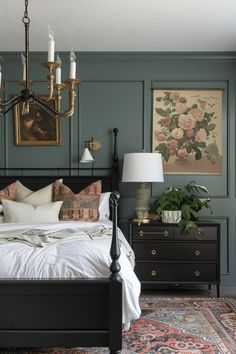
x=121, y=25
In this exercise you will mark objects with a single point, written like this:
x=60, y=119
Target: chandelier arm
x=13, y=105
x=72, y=95
x=54, y=112
x=12, y=100
x=49, y=110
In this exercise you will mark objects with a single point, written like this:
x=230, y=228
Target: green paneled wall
x=116, y=91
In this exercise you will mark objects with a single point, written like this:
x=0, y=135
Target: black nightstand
x=165, y=256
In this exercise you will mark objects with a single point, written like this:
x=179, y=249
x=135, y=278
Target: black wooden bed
x=64, y=313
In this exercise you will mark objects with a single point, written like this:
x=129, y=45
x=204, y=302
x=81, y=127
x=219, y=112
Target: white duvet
x=76, y=257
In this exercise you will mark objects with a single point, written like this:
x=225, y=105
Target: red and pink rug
x=169, y=326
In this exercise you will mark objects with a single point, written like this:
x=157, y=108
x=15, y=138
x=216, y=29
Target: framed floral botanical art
x=37, y=127
x=187, y=130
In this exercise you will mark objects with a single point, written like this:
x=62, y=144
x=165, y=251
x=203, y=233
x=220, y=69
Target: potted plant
x=187, y=201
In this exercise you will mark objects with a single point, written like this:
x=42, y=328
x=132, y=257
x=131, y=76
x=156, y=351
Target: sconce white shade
x=142, y=167
x=86, y=157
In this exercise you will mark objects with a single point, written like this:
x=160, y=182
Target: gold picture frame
x=187, y=130
x=37, y=128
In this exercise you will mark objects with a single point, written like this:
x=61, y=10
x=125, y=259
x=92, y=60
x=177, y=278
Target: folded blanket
x=41, y=237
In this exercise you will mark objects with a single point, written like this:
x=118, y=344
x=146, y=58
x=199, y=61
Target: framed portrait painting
x=187, y=130
x=37, y=127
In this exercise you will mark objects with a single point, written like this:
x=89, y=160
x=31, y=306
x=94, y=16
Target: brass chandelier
x=27, y=96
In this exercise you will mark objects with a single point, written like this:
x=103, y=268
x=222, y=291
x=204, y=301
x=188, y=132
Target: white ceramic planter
x=171, y=216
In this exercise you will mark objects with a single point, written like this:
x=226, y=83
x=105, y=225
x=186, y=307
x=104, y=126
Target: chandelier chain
x=26, y=18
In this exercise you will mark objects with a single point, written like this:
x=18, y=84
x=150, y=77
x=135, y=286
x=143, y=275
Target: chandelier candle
x=24, y=66
x=72, y=65
x=51, y=45
x=58, y=71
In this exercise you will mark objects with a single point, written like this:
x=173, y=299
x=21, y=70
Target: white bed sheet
x=72, y=258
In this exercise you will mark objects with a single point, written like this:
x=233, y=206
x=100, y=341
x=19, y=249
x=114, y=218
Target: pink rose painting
x=187, y=130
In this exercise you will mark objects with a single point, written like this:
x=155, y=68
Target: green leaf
x=186, y=226
x=194, y=213
x=189, y=149
x=185, y=211
x=171, y=127
x=175, y=116
x=198, y=154
x=211, y=127
x=203, y=124
x=161, y=146
x=209, y=114
x=166, y=154
x=161, y=112
x=193, y=186
x=201, y=144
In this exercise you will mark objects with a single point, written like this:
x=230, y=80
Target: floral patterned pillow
x=78, y=207
x=7, y=193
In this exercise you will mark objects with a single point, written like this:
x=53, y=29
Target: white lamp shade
x=86, y=157
x=142, y=167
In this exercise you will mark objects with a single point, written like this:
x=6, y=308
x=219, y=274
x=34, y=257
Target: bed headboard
x=75, y=178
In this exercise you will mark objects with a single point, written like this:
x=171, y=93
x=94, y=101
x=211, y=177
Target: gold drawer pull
x=153, y=273
x=197, y=253
x=199, y=234
x=164, y=233
x=153, y=252
x=197, y=273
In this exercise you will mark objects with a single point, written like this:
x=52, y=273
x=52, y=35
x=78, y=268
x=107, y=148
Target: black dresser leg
x=209, y=287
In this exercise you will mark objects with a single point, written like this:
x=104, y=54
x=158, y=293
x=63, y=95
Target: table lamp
x=142, y=167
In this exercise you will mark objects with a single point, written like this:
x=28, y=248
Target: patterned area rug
x=169, y=326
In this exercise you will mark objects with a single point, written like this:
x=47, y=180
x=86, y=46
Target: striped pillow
x=78, y=207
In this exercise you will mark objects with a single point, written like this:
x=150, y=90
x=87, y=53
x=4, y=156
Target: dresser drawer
x=151, y=232
x=202, y=233
x=176, y=272
x=175, y=251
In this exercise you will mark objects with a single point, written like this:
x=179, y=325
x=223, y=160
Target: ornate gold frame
x=19, y=141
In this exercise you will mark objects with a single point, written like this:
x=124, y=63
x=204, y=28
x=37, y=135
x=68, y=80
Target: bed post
x=115, y=163
x=115, y=292
x=115, y=247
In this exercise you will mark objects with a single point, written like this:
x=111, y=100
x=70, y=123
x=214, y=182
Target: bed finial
x=115, y=163
x=115, y=247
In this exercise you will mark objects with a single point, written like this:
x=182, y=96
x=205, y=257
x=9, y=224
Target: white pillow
x=104, y=206
x=25, y=213
x=0, y=208
x=41, y=196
